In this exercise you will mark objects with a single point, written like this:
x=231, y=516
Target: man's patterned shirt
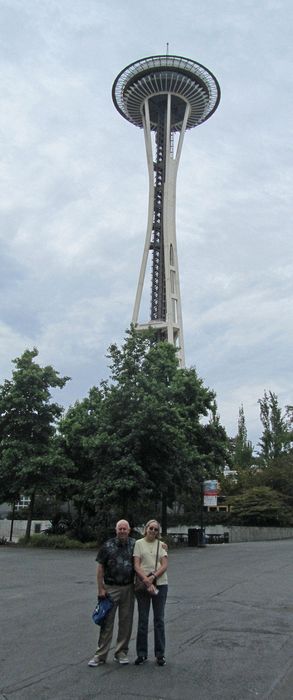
x=117, y=559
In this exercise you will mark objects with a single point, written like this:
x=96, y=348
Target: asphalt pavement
x=229, y=627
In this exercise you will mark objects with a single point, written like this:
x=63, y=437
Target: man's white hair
x=124, y=522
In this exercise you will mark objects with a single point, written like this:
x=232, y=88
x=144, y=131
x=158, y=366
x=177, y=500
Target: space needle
x=164, y=95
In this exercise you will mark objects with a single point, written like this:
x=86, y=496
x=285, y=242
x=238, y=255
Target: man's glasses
x=155, y=529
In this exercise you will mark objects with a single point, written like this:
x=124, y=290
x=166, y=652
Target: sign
x=210, y=492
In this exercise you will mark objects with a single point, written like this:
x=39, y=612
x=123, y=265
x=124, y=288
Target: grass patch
x=91, y=545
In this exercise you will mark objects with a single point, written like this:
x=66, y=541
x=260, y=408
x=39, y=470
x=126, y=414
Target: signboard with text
x=210, y=492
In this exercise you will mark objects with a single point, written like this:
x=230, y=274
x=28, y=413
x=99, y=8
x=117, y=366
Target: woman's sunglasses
x=155, y=529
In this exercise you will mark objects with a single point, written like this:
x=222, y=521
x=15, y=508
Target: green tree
x=278, y=475
x=264, y=495
x=243, y=450
x=277, y=435
x=262, y=506
x=31, y=461
x=78, y=430
x=151, y=439
x=214, y=443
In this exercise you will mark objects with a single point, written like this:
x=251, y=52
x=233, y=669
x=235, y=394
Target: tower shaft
x=160, y=243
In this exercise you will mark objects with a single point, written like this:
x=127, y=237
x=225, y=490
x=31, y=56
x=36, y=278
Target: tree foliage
x=277, y=433
x=147, y=434
x=31, y=460
x=262, y=491
x=78, y=429
x=243, y=450
x=150, y=440
x=142, y=440
x=278, y=475
x=262, y=506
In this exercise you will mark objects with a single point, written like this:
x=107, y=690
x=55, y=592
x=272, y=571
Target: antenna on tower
x=167, y=49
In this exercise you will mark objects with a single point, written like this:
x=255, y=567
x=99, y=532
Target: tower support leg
x=160, y=241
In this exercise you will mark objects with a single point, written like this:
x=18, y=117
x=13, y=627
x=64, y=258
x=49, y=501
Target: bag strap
x=157, y=555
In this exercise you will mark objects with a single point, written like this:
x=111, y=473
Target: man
x=115, y=576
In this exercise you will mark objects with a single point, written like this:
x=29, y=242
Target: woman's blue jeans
x=144, y=601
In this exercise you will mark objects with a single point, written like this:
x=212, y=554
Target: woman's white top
x=147, y=551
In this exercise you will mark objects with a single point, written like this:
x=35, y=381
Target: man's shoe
x=121, y=658
x=96, y=661
x=161, y=661
x=140, y=660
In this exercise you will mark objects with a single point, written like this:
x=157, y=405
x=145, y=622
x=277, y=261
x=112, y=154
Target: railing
x=216, y=538
x=178, y=537
x=182, y=538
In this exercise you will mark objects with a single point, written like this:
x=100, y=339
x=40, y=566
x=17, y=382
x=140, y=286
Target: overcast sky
x=74, y=191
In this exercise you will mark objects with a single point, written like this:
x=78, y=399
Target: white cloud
x=73, y=181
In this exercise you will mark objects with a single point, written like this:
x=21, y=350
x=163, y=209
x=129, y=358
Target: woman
x=150, y=563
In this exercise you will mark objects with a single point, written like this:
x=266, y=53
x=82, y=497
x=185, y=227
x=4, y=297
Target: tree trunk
x=30, y=517
x=12, y=522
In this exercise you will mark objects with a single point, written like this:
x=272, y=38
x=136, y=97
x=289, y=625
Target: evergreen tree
x=243, y=450
x=277, y=436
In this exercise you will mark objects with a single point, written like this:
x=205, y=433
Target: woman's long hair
x=148, y=524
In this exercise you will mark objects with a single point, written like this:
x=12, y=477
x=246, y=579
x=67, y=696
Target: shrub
x=260, y=506
x=52, y=541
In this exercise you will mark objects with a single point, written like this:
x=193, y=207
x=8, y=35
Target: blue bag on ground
x=101, y=610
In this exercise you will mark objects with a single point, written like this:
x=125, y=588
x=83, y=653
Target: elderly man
x=115, y=576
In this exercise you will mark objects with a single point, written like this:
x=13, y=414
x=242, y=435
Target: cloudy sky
x=73, y=199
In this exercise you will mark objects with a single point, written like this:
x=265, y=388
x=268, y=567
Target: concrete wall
x=19, y=528
x=258, y=534
x=239, y=533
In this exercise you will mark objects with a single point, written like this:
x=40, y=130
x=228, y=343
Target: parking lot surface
x=229, y=626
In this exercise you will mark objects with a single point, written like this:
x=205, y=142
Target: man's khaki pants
x=123, y=597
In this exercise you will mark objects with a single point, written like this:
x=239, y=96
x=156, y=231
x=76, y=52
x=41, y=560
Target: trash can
x=196, y=537
x=192, y=537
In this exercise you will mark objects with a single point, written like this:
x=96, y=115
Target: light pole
x=201, y=540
